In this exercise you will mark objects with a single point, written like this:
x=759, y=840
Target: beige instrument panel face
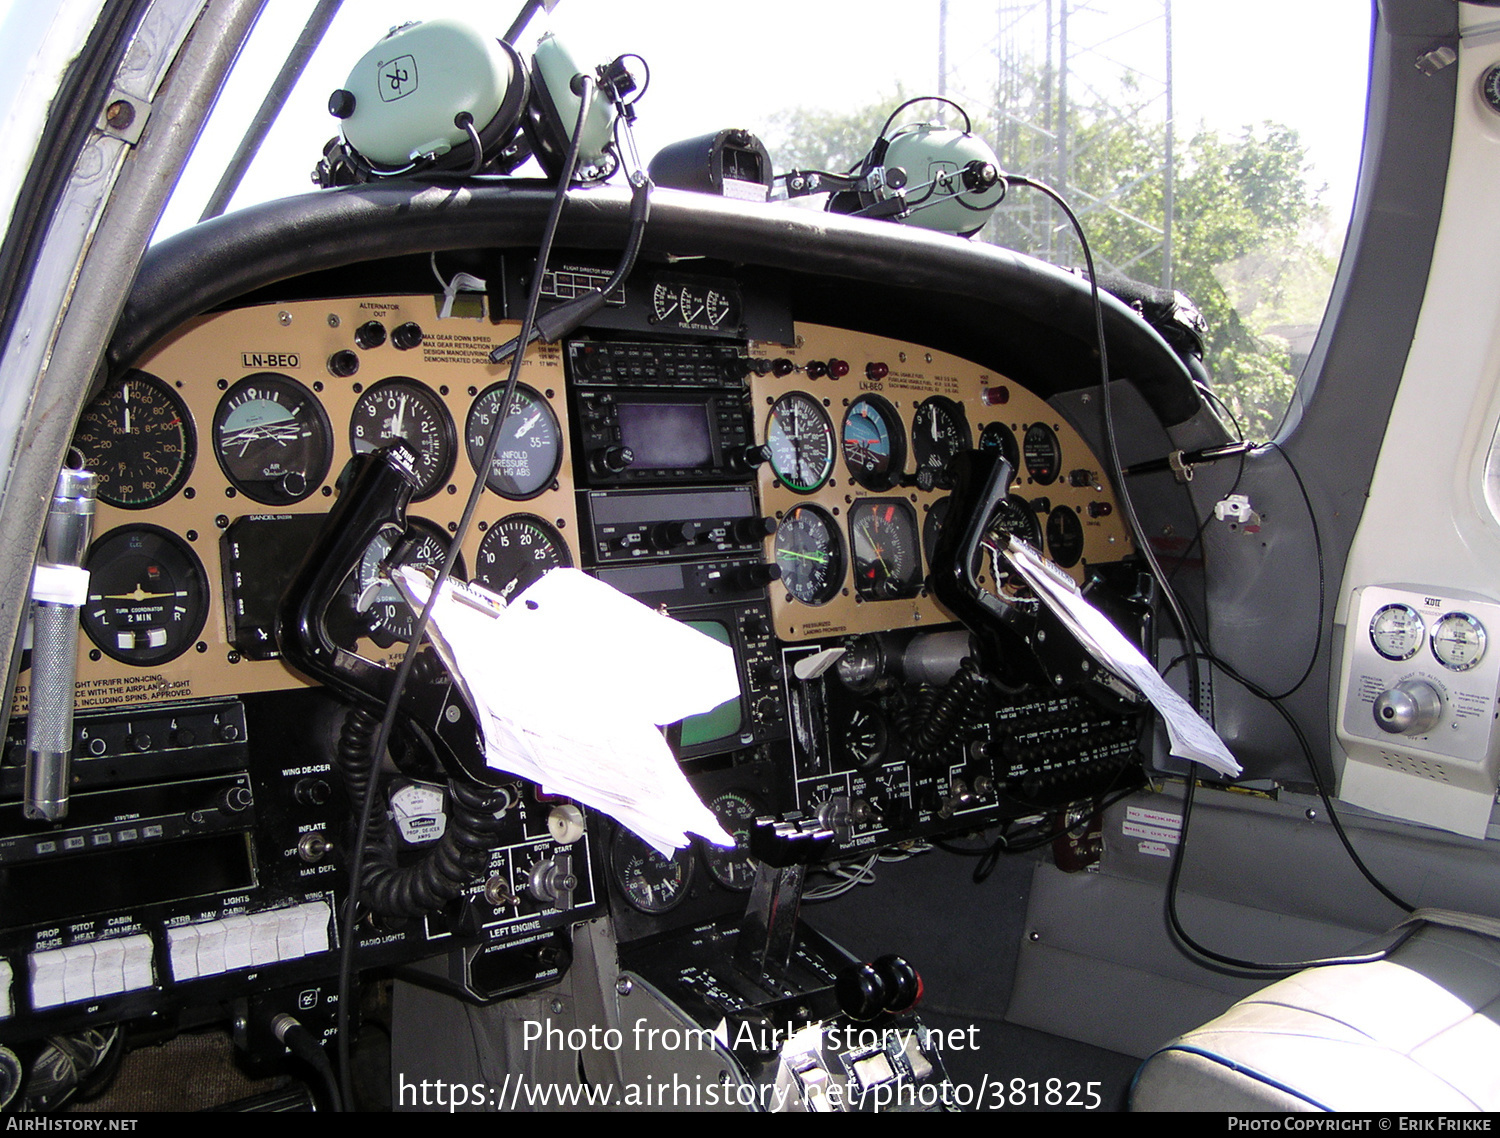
x=876, y=530
x=204, y=361
x=208, y=365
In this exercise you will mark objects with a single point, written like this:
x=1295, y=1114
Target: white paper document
x=570, y=682
x=1188, y=735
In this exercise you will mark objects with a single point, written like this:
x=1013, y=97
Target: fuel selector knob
x=1412, y=707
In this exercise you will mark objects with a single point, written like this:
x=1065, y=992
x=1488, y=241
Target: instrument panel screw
x=333, y=320
x=284, y=318
x=624, y=986
x=556, y=1006
x=119, y=114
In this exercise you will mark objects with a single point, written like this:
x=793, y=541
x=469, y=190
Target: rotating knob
x=612, y=460
x=1412, y=707
x=667, y=536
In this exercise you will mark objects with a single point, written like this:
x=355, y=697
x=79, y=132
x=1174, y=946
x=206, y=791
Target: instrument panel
x=860, y=430
x=217, y=457
x=783, y=498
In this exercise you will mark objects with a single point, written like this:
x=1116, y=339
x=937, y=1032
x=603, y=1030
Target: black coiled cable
x=461, y=854
x=961, y=702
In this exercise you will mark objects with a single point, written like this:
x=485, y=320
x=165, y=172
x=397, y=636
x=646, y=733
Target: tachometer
x=799, y=436
x=810, y=554
x=390, y=617
x=530, y=449
x=137, y=436
x=516, y=551
x=272, y=439
x=401, y=408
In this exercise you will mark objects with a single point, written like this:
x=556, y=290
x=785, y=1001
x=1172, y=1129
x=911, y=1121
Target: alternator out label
x=1152, y=825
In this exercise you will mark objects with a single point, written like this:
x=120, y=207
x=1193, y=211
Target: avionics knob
x=612, y=460
x=749, y=457
x=673, y=535
x=747, y=530
x=1412, y=707
x=757, y=576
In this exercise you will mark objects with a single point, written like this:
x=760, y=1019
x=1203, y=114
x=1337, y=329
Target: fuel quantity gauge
x=649, y=882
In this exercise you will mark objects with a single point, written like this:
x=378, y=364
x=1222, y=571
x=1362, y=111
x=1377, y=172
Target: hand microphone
x=59, y=590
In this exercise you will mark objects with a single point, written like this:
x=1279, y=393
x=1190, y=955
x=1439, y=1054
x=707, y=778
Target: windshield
x=1203, y=149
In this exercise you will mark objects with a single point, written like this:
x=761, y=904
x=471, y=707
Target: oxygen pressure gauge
x=1397, y=632
x=1489, y=87
x=1458, y=641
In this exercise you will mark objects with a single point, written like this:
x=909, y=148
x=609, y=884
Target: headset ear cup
x=501, y=130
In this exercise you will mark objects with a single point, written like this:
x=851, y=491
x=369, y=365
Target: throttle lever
x=374, y=491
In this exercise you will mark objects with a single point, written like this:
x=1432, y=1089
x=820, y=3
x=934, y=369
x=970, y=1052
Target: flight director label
x=282, y=360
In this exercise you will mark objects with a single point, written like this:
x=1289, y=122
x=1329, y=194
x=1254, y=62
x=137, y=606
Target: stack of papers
x=570, y=682
x=1188, y=735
